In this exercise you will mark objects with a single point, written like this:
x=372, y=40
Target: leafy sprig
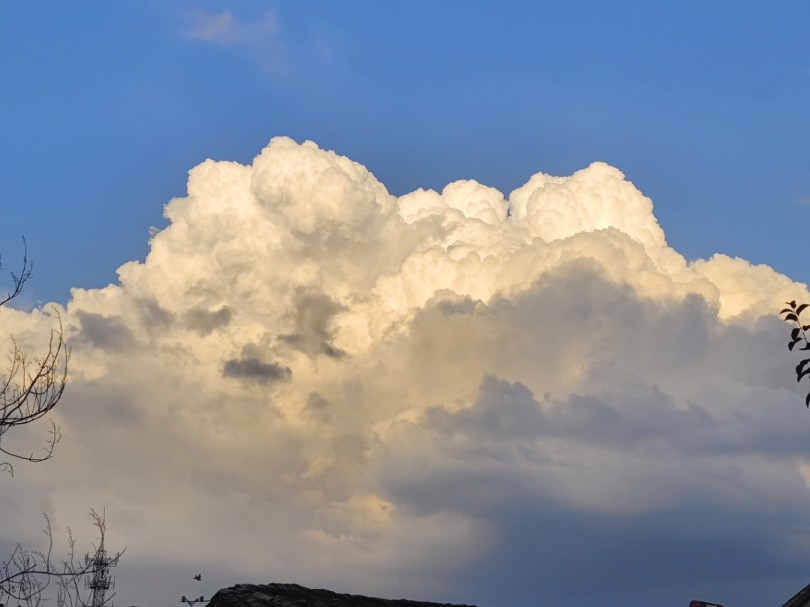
x=798, y=335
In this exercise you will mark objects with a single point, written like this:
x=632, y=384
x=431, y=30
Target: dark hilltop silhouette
x=293, y=595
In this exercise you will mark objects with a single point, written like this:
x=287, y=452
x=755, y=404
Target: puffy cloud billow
x=449, y=395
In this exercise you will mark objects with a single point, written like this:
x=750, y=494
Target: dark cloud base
x=553, y=556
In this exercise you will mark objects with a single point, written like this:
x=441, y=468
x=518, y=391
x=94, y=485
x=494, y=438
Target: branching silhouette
x=798, y=335
x=27, y=574
x=31, y=386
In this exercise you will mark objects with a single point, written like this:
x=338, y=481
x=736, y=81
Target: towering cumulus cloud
x=452, y=395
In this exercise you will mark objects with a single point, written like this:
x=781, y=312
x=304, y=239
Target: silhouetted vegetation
x=27, y=575
x=31, y=386
x=798, y=336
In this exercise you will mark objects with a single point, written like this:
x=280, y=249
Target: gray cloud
x=549, y=554
x=255, y=370
x=313, y=334
x=153, y=316
x=106, y=332
x=204, y=322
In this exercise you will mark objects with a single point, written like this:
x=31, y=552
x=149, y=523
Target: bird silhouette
x=198, y=577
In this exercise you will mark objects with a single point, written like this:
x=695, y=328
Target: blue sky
x=451, y=392
x=108, y=105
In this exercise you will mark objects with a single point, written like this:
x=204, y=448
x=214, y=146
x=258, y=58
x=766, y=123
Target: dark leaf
x=791, y=303
x=792, y=345
x=801, y=307
x=805, y=327
x=785, y=311
x=792, y=316
x=794, y=334
x=807, y=400
x=802, y=369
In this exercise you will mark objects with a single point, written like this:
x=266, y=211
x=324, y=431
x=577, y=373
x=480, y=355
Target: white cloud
x=257, y=40
x=224, y=28
x=217, y=27
x=309, y=379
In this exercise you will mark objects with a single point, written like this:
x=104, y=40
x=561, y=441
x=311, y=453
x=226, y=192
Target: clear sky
x=500, y=335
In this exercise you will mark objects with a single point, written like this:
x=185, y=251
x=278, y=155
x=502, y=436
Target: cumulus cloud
x=456, y=395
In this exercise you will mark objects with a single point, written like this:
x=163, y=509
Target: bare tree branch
x=26, y=575
x=29, y=389
x=31, y=386
x=18, y=280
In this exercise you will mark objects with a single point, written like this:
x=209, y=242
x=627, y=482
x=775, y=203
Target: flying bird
x=198, y=577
